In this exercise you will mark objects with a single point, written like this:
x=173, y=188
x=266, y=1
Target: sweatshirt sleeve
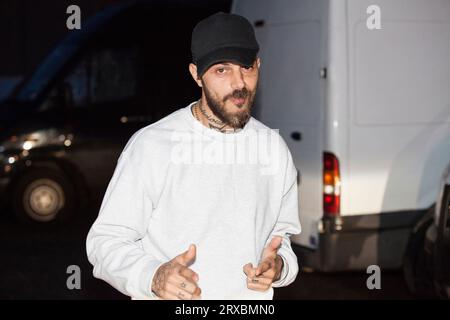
x=288, y=224
x=113, y=242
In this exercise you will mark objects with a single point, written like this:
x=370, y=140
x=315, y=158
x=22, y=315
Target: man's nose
x=237, y=81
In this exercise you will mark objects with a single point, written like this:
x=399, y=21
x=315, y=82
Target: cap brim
x=242, y=56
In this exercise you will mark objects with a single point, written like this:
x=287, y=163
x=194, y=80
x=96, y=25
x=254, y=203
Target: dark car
x=427, y=262
x=63, y=129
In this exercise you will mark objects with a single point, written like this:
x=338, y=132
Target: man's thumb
x=275, y=243
x=187, y=257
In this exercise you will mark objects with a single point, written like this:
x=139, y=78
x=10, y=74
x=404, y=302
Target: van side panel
x=291, y=93
x=399, y=97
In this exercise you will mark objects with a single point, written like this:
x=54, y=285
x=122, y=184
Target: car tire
x=417, y=264
x=44, y=195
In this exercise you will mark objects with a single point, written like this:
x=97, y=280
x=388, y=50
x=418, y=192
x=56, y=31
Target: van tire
x=44, y=195
x=417, y=267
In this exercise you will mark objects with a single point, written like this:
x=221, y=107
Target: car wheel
x=442, y=248
x=43, y=195
x=417, y=264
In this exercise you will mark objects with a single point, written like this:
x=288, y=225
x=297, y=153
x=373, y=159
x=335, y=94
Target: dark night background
x=35, y=257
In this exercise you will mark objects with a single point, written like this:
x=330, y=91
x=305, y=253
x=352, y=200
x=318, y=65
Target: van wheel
x=43, y=195
x=417, y=266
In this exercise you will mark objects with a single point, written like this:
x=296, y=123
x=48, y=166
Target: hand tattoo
x=160, y=277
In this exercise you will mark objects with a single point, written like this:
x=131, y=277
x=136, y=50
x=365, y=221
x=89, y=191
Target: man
x=182, y=218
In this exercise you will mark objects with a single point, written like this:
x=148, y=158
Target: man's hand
x=268, y=270
x=175, y=281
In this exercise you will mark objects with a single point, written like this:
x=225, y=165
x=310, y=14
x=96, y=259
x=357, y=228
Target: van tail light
x=331, y=185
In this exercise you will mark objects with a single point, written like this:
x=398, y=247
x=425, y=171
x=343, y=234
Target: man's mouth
x=238, y=101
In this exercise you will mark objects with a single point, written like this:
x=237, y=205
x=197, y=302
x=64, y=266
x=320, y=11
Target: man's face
x=229, y=90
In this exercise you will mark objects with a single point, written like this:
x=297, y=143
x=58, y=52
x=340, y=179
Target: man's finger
x=257, y=286
x=249, y=270
x=188, y=257
x=263, y=267
x=197, y=292
x=171, y=296
x=184, y=283
x=269, y=274
x=189, y=273
x=260, y=280
x=271, y=249
x=180, y=293
x=275, y=243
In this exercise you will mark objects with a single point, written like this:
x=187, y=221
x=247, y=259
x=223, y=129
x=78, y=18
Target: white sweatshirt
x=178, y=182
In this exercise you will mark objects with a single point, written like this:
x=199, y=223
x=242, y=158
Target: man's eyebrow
x=229, y=64
x=223, y=63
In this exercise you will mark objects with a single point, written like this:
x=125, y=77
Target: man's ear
x=193, y=71
x=258, y=62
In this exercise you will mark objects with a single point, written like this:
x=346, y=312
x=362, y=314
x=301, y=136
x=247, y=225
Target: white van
x=366, y=115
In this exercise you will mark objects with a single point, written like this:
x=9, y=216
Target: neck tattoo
x=210, y=119
x=218, y=125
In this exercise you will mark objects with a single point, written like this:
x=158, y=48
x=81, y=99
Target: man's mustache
x=237, y=94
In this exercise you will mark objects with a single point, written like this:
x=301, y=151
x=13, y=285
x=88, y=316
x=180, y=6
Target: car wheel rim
x=43, y=198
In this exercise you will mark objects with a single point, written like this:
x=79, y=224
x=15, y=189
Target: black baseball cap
x=223, y=37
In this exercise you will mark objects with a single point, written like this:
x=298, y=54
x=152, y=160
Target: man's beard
x=235, y=120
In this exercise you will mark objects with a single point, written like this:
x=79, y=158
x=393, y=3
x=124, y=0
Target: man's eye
x=248, y=67
x=221, y=70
